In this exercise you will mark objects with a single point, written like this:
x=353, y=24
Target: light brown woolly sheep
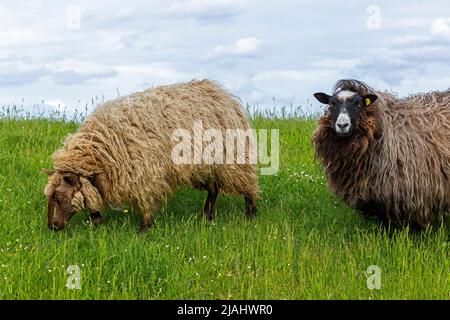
x=386, y=156
x=121, y=154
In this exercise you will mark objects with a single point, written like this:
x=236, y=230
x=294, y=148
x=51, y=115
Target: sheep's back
x=160, y=111
x=411, y=173
x=135, y=134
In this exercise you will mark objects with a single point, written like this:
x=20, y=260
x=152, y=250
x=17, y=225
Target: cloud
x=244, y=47
x=137, y=41
x=19, y=78
x=19, y=71
x=125, y=12
x=290, y=75
x=151, y=74
x=438, y=33
x=56, y=104
x=207, y=10
x=74, y=72
x=440, y=28
x=282, y=87
x=72, y=77
x=432, y=53
x=133, y=45
x=389, y=71
x=408, y=57
x=337, y=63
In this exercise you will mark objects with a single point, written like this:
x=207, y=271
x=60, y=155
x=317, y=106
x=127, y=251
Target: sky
x=271, y=53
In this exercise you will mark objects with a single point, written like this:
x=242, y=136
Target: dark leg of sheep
x=372, y=209
x=210, y=203
x=96, y=217
x=250, y=207
x=146, y=223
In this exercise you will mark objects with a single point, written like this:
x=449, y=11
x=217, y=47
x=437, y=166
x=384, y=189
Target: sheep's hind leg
x=250, y=207
x=210, y=203
x=96, y=217
x=148, y=219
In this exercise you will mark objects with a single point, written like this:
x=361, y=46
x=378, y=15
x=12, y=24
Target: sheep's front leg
x=210, y=204
x=96, y=218
x=148, y=208
x=250, y=207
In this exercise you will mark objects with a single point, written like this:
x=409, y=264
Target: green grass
x=304, y=244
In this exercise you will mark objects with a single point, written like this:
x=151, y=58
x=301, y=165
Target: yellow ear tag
x=367, y=101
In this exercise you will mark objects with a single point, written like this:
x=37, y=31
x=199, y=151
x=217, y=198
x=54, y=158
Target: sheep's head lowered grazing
x=69, y=193
x=345, y=108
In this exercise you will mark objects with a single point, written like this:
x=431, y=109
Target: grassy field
x=305, y=244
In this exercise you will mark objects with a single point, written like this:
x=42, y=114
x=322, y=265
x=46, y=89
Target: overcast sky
x=68, y=52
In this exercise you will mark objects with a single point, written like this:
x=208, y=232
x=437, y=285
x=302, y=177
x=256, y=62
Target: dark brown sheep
x=386, y=156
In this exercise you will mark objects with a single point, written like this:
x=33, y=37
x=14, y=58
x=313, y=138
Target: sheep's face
x=345, y=109
x=65, y=198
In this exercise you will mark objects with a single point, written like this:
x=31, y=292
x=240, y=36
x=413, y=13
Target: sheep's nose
x=343, y=125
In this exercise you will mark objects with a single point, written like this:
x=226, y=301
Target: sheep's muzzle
x=57, y=218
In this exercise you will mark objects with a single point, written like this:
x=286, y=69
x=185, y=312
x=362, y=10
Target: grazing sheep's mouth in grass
x=60, y=224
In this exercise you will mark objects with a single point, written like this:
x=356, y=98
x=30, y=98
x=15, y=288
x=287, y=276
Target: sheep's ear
x=48, y=172
x=369, y=99
x=92, y=197
x=71, y=179
x=322, y=97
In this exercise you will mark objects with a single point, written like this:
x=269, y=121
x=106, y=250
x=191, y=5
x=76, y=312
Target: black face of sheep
x=345, y=107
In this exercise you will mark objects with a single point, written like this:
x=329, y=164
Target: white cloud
x=277, y=77
x=411, y=40
x=207, y=9
x=72, y=71
x=152, y=73
x=286, y=53
x=337, y=63
x=243, y=47
x=17, y=72
x=56, y=104
x=280, y=74
x=440, y=28
x=288, y=86
x=137, y=41
x=405, y=22
x=20, y=71
x=125, y=12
